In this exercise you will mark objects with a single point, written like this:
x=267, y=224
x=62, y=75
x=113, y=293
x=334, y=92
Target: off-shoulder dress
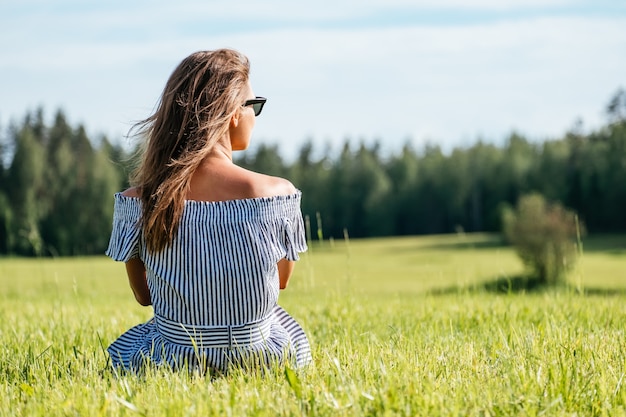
x=214, y=289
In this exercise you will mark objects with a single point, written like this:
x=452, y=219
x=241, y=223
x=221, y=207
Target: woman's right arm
x=285, y=268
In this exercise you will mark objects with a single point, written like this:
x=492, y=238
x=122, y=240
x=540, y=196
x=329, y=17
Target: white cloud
x=535, y=75
x=164, y=13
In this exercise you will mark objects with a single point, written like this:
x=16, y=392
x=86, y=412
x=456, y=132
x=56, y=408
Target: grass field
x=400, y=326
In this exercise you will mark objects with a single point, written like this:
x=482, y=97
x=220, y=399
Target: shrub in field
x=544, y=235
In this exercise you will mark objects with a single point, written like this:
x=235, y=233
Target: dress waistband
x=213, y=336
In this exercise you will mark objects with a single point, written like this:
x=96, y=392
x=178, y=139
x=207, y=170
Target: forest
x=57, y=184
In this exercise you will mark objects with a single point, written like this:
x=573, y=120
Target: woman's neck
x=220, y=151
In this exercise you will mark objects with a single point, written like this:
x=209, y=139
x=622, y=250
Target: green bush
x=545, y=236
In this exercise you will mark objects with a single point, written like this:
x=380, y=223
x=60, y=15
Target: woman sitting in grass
x=207, y=243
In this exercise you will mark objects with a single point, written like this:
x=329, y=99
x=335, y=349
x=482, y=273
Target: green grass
x=384, y=342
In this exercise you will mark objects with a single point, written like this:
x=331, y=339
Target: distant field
x=384, y=341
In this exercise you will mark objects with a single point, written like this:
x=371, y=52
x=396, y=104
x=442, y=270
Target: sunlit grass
x=382, y=342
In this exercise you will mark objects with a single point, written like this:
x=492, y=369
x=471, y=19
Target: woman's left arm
x=136, y=271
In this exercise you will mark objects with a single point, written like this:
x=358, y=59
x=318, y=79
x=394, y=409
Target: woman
x=207, y=243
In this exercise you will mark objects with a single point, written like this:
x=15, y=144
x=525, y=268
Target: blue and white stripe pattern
x=215, y=288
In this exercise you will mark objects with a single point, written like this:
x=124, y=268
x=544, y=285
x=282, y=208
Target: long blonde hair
x=193, y=114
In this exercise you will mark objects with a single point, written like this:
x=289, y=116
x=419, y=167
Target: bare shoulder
x=131, y=192
x=221, y=182
x=262, y=185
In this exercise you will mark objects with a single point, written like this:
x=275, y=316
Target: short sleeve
x=294, y=235
x=125, y=236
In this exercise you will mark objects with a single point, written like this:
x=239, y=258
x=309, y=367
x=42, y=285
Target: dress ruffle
x=126, y=233
x=124, y=241
x=143, y=344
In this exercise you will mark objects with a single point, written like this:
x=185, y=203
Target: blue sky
x=436, y=71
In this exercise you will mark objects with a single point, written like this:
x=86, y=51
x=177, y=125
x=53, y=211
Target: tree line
x=57, y=185
x=56, y=188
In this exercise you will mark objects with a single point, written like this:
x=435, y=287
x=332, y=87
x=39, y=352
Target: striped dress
x=214, y=289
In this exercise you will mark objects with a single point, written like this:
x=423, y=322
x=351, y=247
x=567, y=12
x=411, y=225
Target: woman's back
x=221, y=268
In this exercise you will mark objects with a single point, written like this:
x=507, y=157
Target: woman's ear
x=234, y=120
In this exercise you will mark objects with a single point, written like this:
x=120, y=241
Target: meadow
x=398, y=326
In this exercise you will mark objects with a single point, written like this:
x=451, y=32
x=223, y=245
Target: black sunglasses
x=257, y=104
